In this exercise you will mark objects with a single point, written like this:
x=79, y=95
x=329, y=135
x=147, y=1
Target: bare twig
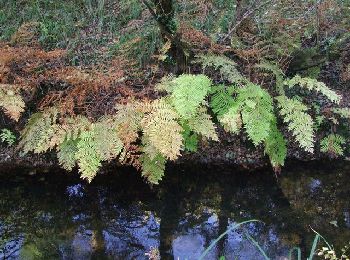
x=245, y=16
x=149, y=7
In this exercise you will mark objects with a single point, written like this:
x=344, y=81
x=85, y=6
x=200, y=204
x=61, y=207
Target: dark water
x=54, y=215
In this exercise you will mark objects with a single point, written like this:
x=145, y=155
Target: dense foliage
x=255, y=69
x=159, y=127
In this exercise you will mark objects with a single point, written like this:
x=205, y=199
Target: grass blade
x=257, y=246
x=314, y=245
x=298, y=250
x=223, y=234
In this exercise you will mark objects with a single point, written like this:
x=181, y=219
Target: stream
x=50, y=214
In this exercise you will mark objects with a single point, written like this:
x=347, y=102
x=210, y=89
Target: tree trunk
x=164, y=13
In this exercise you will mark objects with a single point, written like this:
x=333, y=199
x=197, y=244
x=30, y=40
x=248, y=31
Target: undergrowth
x=325, y=252
x=250, y=83
x=147, y=134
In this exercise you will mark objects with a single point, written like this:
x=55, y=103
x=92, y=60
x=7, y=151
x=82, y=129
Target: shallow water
x=55, y=215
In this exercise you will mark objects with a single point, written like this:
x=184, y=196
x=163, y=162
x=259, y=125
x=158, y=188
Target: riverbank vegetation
x=145, y=82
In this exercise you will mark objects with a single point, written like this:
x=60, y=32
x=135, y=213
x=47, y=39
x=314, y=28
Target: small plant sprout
x=7, y=136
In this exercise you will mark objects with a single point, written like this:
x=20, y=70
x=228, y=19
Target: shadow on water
x=55, y=215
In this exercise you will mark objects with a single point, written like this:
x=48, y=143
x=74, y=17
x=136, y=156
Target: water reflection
x=57, y=216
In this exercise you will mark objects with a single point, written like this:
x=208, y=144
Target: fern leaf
x=148, y=148
x=153, y=169
x=342, y=112
x=231, y=120
x=87, y=155
x=107, y=141
x=162, y=130
x=333, y=144
x=38, y=131
x=190, y=141
x=257, y=112
x=11, y=101
x=313, y=84
x=7, y=136
x=188, y=93
x=127, y=121
x=226, y=108
x=276, y=71
x=221, y=99
x=276, y=146
x=69, y=129
x=202, y=124
x=298, y=121
x=66, y=154
x=166, y=84
x=226, y=67
x=73, y=126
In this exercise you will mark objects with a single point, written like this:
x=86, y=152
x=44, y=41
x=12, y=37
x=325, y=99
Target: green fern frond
x=257, y=112
x=342, y=112
x=69, y=129
x=162, y=129
x=276, y=146
x=148, y=148
x=73, y=126
x=203, y=125
x=38, y=131
x=190, y=139
x=166, y=84
x=87, y=155
x=7, y=136
x=221, y=99
x=107, y=141
x=153, y=169
x=299, y=123
x=313, y=84
x=333, y=144
x=66, y=154
x=232, y=120
x=226, y=67
x=11, y=101
x=188, y=94
x=276, y=71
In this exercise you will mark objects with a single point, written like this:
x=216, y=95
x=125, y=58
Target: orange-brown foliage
x=89, y=91
x=24, y=65
x=198, y=42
